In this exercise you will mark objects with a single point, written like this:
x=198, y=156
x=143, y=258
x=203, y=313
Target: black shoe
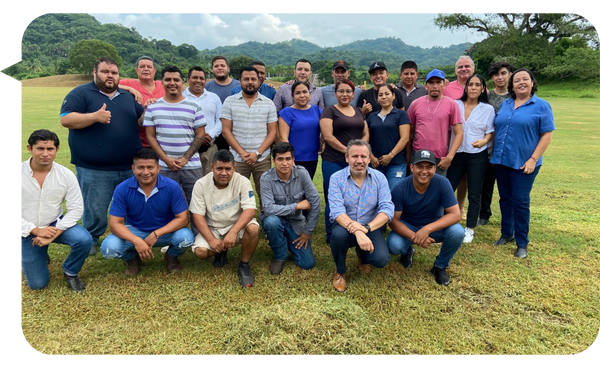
x=245, y=274
x=276, y=267
x=220, y=259
x=173, y=264
x=482, y=222
x=406, y=260
x=504, y=240
x=521, y=252
x=75, y=283
x=441, y=277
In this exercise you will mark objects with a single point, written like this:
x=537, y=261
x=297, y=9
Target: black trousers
x=474, y=165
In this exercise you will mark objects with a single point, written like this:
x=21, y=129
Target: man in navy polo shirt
x=103, y=123
x=148, y=210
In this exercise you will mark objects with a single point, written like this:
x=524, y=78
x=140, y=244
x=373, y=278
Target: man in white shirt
x=211, y=107
x=223, y=208
x=45, y=185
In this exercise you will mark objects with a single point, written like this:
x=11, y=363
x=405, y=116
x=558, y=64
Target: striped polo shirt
x=249, y=124
x=175, y=125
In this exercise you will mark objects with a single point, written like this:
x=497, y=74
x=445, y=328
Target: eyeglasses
x=346, y=91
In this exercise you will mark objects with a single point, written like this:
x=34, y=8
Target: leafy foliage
x=86, y=52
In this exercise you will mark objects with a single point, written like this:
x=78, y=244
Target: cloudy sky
x=209, y=30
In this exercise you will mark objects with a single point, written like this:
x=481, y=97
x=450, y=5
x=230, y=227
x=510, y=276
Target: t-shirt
x=385, y=134
x=157, y=93
x=370, y=96
x=345, y=129
x=222, y=91
x=453, y=90
x=304, y=131
x=496, y=99
x=422, y=209
x=222, y=207
x=175, y=125
x=433, y=120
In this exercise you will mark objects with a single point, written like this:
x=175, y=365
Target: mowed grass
x=496, y=304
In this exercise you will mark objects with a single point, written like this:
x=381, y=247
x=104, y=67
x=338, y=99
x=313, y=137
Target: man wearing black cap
x=340, y=71
x=425, y=212
x=368, y=99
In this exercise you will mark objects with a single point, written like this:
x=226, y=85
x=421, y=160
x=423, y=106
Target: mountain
x=48, y=40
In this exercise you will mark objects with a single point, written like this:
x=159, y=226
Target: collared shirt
x=479, y=123
x=211, y=107
x=283, y=97
x=279, y=198
x=249, y=124
x=518, y=131
x=264, y=89
x=42, y=206
x=361, y=204
x=384, y=134
x=148, y=213
x=409, y=96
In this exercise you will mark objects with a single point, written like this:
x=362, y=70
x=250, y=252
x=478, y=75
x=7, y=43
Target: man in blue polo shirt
x=103, y=123
x=148, y=210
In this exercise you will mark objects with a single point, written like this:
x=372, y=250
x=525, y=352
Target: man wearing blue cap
x=431, y=118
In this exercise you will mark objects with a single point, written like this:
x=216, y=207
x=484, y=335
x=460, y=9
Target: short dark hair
x=43, y=135
x=409, y=64
x=197, y=69
x=248, y=69
x=513, y=95
x=495, y=68
x=302, y=61
x=358, y=142
x=145, y=154
x=257, y=62
x=281, y=148
x=219, y=57
x=297, y=83
x=171, y=69
x=137, y=63
x=483, y=97
x=107, y=60
x=223, y=155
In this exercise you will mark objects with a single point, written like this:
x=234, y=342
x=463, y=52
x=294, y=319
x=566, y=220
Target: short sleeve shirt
x=345, y=129
x=304, y=131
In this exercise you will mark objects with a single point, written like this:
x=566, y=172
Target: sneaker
x=173, y=264
x=406, y=260
x=220, y=260
x=521, y=252
x=469, y=235
x=441, y=277
x=245, y=274
x=276, y=267
x=133, y=266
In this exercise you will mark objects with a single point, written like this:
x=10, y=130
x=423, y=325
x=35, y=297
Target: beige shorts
x=200, y=242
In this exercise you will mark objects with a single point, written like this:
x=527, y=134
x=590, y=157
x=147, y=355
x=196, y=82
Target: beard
x=221, y=78
x=250, y=92
x=104, y=88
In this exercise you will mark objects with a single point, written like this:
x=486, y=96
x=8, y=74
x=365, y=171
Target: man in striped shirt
x=175, y=130
x=249, y=122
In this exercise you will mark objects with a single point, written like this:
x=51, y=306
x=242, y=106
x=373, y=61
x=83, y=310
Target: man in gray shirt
x=288, y=194
x=302, y=72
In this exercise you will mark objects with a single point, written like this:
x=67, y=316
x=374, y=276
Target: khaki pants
x=256, y=170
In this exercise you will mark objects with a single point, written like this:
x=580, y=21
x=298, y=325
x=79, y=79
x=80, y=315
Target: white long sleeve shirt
x=42, y=206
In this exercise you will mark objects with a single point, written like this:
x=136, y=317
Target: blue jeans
x=97, y=187
x=451, y=238
x=115, y=247
x=281, y=235
x=342, y=240
x=329, y=168
x=393, y=173
x=34, y=258
x=514, y=188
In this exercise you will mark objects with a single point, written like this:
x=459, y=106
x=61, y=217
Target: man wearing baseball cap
x=340, y=71
x=368, y=99
x=425, y=212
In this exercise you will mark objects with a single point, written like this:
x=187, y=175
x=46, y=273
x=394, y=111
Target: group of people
x=157, y=157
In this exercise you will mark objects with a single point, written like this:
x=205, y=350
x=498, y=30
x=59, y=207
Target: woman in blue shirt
x=524, y=126
x=299, y=126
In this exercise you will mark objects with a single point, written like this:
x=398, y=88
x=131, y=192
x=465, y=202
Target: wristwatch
x=368, y=228
x=258, y=154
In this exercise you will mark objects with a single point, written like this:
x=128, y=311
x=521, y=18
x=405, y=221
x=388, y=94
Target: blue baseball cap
x=435, y=73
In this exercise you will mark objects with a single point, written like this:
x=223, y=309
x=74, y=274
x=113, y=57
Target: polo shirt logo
x=250, y=193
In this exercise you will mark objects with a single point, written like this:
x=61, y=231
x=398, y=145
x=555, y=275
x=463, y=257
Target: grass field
x=496, y=304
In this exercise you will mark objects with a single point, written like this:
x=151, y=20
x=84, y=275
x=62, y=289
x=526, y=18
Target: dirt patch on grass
x=69, y=80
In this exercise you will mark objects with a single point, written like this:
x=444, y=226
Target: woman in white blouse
x=471, y=157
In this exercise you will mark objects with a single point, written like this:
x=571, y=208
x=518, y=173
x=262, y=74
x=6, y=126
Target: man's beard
x=102, y=87
x=221, y=78
x=249, y=92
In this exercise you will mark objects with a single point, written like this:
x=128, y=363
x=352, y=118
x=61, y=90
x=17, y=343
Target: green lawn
x=496, y=304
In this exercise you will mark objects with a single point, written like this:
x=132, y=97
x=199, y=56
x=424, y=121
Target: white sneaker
x=469, y=235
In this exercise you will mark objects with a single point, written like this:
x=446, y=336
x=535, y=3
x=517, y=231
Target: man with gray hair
x=360, y=205
x=464, y=68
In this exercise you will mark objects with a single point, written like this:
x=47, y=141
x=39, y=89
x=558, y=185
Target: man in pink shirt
x=464, y=68
x=145, y=89
x=431, y=118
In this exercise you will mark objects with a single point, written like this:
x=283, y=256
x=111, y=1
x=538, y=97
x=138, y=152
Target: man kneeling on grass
x=426, y=211
x=223, y=208
x=148, y=210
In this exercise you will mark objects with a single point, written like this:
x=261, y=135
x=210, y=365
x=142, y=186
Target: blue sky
x=210, y=30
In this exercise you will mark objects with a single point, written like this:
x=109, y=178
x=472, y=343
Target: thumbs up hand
x=103, y=115
x=366, y=108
